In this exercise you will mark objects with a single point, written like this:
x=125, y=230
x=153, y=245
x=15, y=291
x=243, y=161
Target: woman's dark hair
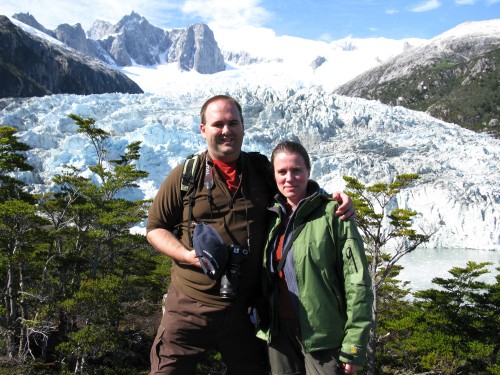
x=291, y=147
x=226, y=98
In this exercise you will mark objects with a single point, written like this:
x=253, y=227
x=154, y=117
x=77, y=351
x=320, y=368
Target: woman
x=321, y=296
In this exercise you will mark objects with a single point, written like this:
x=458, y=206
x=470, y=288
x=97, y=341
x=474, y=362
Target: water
x=422, y=265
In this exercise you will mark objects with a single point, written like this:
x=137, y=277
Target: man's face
x=223, y=131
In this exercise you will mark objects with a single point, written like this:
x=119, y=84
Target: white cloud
x=426, y=6
x=52, y=13
x=465, y=2
x=491, y=2
x=228, y=14
x=391, y=11
x=234, y=22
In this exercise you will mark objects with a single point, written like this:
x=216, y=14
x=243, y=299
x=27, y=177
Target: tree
x=12, y=159
x=21, y=234
x=75, y=275
x=454, y=329
x=102, y=220
x=109, y=270
x=373, y=206
x=96, y=305
x=394, y=307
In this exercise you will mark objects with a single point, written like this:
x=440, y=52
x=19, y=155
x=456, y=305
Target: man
x=231, y=193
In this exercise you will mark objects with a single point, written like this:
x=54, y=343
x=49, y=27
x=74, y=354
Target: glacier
x=458, y=192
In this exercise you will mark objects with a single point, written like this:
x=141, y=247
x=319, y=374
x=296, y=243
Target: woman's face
x=291, y=175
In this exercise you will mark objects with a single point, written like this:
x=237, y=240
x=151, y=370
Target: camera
x=230, y=279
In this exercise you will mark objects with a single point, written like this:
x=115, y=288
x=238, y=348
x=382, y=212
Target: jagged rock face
x=29, y=20
x=206, y=58
x=245, y=58
x=196, y=48
x=318, y=61
x=135, y=41
x=100, y=29
x=33, y=66
x=73, y=36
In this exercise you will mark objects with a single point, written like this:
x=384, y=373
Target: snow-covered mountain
x=157, y=59
x=461, y=43
x=284, y=97
x=453, y=77
x=134, y=41
x=260, y=59
x=458, y=191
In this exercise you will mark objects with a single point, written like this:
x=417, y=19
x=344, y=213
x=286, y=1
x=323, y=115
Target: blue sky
x=310, y=19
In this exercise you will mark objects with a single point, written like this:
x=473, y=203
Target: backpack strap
x=189, y=172
x=187, y=183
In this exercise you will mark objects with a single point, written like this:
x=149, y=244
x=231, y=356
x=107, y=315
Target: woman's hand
x=349, y=368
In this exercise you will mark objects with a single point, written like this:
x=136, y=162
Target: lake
x=422, y=265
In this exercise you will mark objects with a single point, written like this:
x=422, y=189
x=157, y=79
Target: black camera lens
x=230, y=279
x=228, y=287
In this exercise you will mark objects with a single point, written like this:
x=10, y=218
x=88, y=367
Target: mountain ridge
x=31, y=65
x=134, y=41
x=455, y=77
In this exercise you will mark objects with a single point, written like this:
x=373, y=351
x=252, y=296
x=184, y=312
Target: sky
x=324, y=20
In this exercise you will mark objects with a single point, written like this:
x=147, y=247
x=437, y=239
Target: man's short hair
x=215, y=98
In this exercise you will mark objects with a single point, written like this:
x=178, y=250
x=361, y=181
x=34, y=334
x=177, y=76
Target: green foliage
x=90, y=343
x=97, y=301
x=83, y=288
x=12, y=159
x=451, y=330
x=96, y=135
x=211, y=363
x=373, y=206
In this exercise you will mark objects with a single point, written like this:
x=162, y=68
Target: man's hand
x=346, y=209
x=191, y=259
x=165, y=242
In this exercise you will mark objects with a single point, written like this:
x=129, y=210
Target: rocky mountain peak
x=100, y=29
x=73, y=36
x=194, y=48
x=29, y=20
x=133, y=40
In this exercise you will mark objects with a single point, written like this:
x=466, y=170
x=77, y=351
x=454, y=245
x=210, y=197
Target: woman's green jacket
x=334, y=289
